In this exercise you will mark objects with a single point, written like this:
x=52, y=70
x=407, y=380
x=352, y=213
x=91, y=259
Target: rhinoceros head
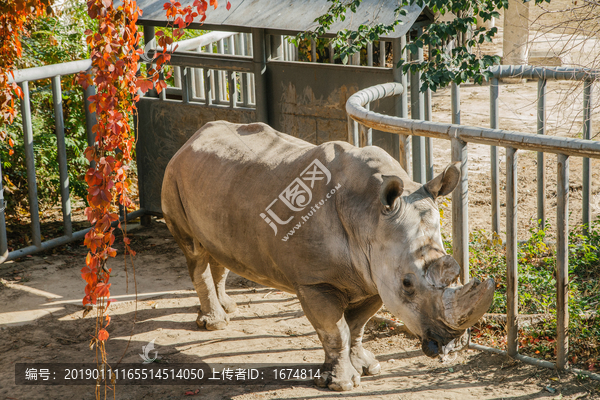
x=416, y=279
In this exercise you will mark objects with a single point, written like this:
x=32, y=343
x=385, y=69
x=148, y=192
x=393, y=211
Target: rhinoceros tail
x=174, y=211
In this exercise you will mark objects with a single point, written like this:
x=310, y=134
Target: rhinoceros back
x=217, y=184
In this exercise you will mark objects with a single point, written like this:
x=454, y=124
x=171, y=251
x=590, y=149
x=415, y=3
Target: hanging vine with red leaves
x=14, y=16
x=115, y=55
x=115, y=58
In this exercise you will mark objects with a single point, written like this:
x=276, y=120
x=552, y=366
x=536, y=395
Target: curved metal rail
x=357, y=108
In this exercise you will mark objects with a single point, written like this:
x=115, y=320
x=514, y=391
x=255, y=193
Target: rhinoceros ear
x=391, y=190
x=443, y=272
x=445, y=182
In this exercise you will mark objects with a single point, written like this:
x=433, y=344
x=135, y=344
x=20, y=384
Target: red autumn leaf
x=102, y=289
x=102, y=335
x=214, y=3
x=228, y=6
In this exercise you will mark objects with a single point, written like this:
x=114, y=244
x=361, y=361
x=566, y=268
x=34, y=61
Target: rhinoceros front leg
x=363, y=360
x=212, y=316
x=219, y=275
x=324, y=307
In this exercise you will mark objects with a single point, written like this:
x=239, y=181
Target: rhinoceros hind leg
x=211, y=316
x=363, y=360
x=219, y=275
x=324, y=308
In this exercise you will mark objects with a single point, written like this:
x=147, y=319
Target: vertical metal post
x=541, y=162
x=495, y=162
x=148, y=37
x=417, y=111
x=219, y=78
x=267, y=47
x=313, y=50
x=62, y=155
x=455, y=103
x=186, y=85
x=354, y=58
x=428, y=140
x=587, y=172
x=277, y=47
x=260, y=69
x=30, y=162
x=208, y=86
x=3, y=238
x=460, y=210
x=562, y=262
x=232, y=89
x=512, y=281
x=366, y=134
x=370, y=54
x=199, y=78
x=353, y=136
x=251, y=80
x=90, y=117
x=177, y=77
x=245, y=80
x=460, y=200
x=401, y=102
x=231, y=45
x=331, y=53
x=382, y=55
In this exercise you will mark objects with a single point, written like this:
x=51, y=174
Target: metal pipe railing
x=587, y=172
x=227, y=65
x=62, y=155
x=360, y=117
x=541, y=162
x=488, y=136
x=30, y=164
x=512, y=273
x=50, y=71
x=494, y=159
x=536, y=73
x=59, y=241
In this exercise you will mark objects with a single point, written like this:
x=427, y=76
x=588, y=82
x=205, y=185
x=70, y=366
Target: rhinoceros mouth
x=433, y=345
x=431, y=348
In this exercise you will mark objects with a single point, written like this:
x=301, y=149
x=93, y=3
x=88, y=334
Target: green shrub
x=537, y=290
x=54, y=39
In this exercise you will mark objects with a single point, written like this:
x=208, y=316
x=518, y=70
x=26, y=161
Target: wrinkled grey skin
x=376, y=240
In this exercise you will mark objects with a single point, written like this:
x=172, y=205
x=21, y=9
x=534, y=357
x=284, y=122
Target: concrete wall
x=308, y=100
x=165, y=126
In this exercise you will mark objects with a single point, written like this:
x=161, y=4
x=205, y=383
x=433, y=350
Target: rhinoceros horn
x=464, y=305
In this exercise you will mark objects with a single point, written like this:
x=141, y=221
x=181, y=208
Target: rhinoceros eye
x=408, y=285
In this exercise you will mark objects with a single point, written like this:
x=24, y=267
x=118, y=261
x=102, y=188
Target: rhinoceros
x=343, y=228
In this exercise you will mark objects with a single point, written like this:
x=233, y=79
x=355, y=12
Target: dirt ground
x=41, y=318
x=41, y=321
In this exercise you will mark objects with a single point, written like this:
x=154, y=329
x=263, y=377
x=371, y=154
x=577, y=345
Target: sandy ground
x=41, y=321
